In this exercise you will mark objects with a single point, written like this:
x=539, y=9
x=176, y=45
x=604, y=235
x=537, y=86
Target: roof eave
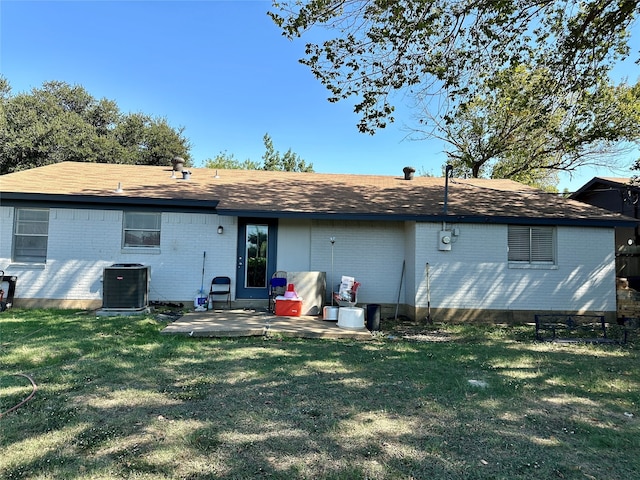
x=400, y=217
x=117, y=201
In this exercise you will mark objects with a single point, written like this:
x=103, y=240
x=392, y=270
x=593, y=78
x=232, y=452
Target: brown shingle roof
x=315, y=195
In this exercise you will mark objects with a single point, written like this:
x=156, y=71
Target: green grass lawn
x=116, y=399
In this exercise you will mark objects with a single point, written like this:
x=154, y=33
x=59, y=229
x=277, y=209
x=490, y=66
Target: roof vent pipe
x=408, y=173
x=178, y=164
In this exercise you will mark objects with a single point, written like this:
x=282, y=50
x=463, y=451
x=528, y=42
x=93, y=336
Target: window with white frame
x=30, y=235
x=531, y=244
x=141, y=229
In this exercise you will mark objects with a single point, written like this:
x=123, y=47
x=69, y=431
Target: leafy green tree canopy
x=271, y=160
x=225, y=160
x=289, y=162
x=453, y=46
x=60, y=122
x=519, y=129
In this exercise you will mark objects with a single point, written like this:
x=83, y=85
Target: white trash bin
x=351, y=317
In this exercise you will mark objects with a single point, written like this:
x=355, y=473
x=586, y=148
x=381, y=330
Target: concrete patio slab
x=249, y=323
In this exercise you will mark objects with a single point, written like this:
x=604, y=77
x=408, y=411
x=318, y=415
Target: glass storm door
x=256, y=257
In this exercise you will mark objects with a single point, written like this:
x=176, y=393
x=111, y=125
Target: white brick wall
x=372, y=252
x=475, y=274
x=83, y=242
x=409, y=281
x=294, y=241
x=6, y=233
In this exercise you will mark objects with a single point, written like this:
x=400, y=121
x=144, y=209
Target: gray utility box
x=126, y=286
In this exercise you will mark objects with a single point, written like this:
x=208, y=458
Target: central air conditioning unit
x=125, y=286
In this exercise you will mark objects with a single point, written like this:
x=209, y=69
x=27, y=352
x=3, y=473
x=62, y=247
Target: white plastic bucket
x=351, y=317
x=330, y=313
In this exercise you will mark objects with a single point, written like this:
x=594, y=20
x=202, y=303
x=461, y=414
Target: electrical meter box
x=444, y=240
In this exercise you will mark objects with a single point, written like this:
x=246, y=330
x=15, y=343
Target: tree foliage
x=453, y=46
x=289, y=162
x=225, y=160
x=520, y=130
x=517, y=89
x=271, y=160
x=60, y=122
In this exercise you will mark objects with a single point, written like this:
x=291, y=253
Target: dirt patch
x=416, y=332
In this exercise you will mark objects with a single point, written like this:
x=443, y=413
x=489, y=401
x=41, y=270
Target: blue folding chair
x=277, y=287
x=221, y=286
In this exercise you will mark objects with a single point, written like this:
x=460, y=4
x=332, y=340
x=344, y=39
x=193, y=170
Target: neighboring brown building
x=618, y=195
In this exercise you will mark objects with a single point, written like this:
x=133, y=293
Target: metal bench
x=629, y=326
x=569, y=328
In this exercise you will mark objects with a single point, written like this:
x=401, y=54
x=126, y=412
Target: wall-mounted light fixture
x=220, y=229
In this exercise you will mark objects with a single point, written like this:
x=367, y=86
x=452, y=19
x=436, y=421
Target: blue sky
x=220, y=69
